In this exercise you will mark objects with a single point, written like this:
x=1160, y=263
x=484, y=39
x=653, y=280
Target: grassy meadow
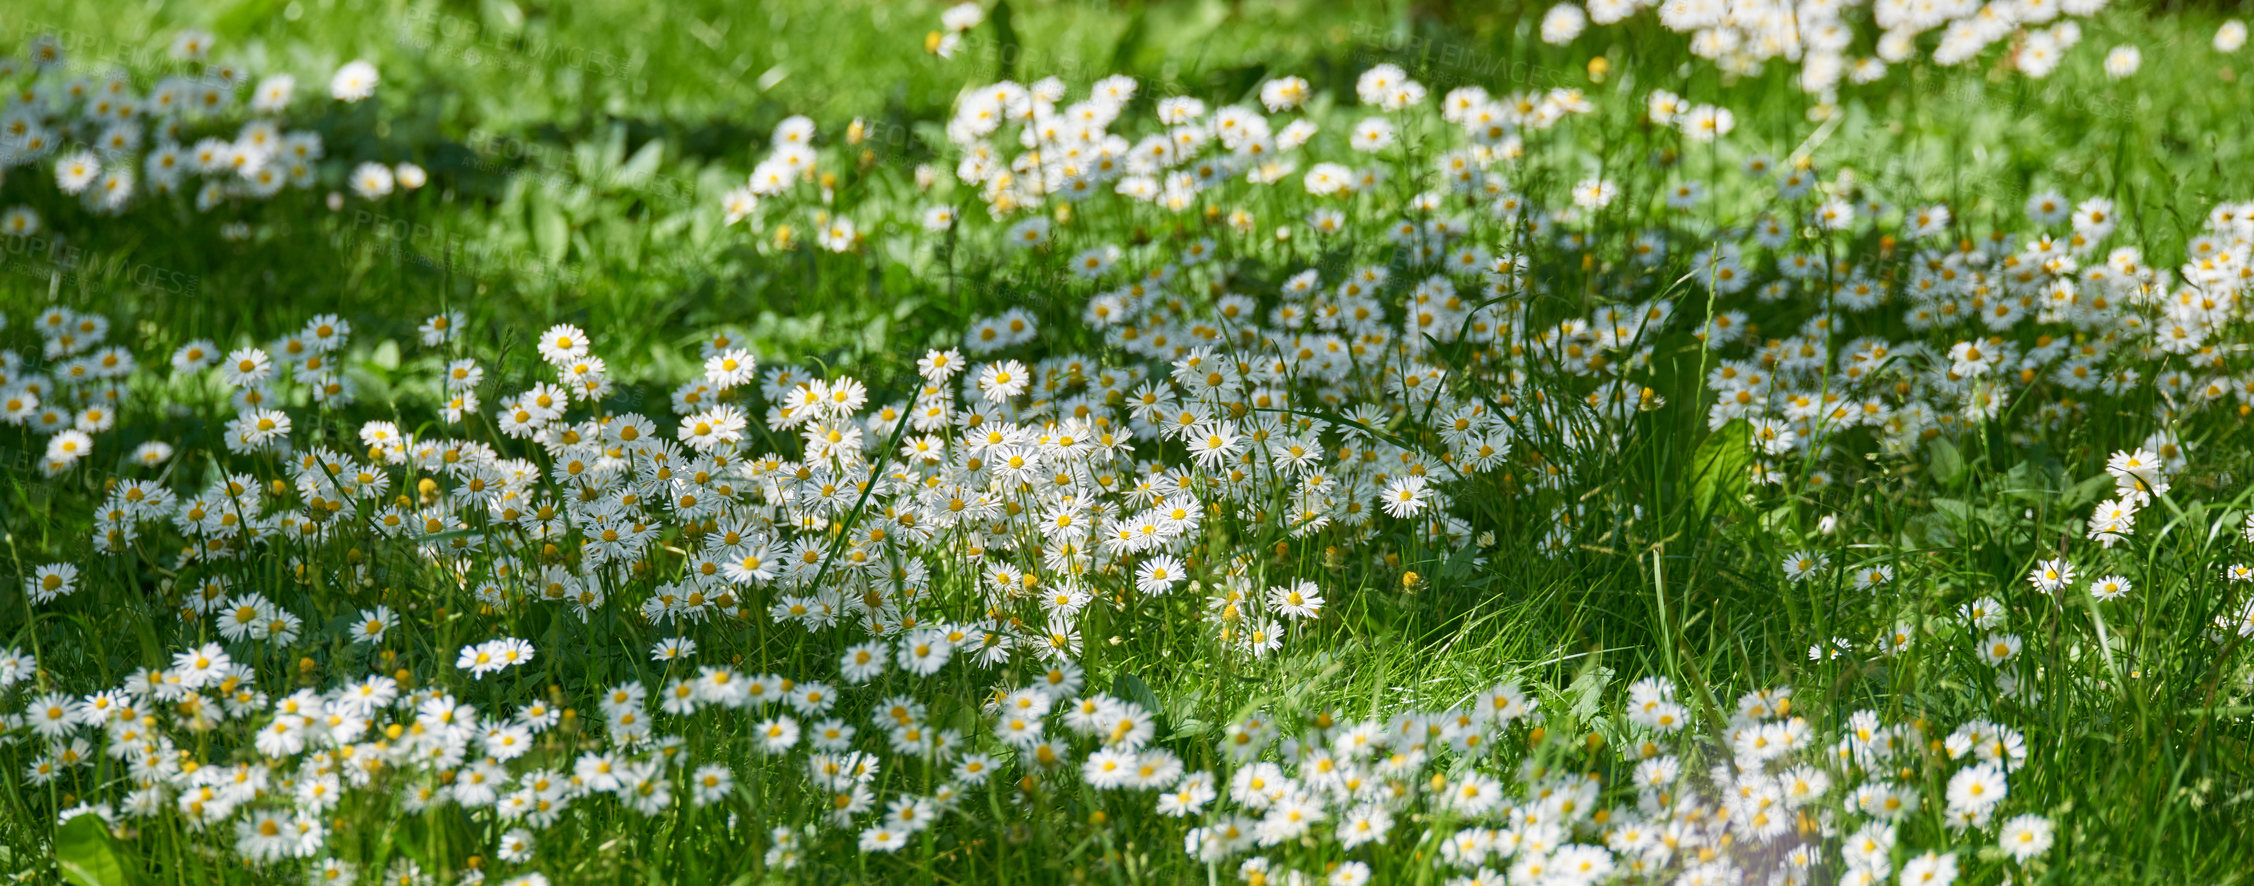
x=1274, y=443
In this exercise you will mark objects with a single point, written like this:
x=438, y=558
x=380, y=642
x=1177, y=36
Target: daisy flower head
x=738, y=204
x=66, y=448
x=51, y=582
x=152, y=453
x=730, y=368
x=863, y=662
x=493, y=656
x=2123, y=62
x=1562, y=23
x=191, y=45
x=353, y=82
x=938, y=366
x=1299, y=601
x=1406, y=497
x=1214, y=443
x=1158, y=574
x=373, y=181
x=838, y=235
x=2231, y=37
x=2049, y=576
x=1706, y=123
x=19, y=221
x=2139, y=472
x=2025, y=837
x=273, y=94
x=515, y=846
x=2110, y=587
x=1930, y=869
x=1030, y=233
x=372, y=624
x=1594, y=193
x=440, y=329
x=998, y=383
x=923, y=652
x=1803, y=565
x=1977, y=787
x=1284, y=93
x=198, y=667
x=1371, y=135
x=562, y=344
x=2000, y=648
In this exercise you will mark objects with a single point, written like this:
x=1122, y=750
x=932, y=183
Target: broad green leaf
x=241, y=17
x=1585, y=697
x=1946, y=461
x=501, y=16
x=2087, y=491
x=549, y=230
x=1719, y=467
x=642, y=165
x=1132, y=688
x=87, y=856
x=1956, y=510
x=1005, y=40
x=1130, y=43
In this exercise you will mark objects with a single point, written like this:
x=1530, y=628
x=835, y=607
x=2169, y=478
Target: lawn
x=1299, y=442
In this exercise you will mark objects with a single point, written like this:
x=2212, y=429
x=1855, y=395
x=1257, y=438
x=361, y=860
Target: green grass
x=578, y=155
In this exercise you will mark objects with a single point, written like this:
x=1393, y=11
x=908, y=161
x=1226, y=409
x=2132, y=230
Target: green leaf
x=501, y=16
x=1005, y=40
x=242, y=17
x=1132, y=688
x=640, y=167
x=2087, y=491
x=549, y=230
x=1719, y=469
x=1130, y=43
x=1955, y=510
x=1947, y=463
x=386, y=356
x=1585, y=696
x=87, y=856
